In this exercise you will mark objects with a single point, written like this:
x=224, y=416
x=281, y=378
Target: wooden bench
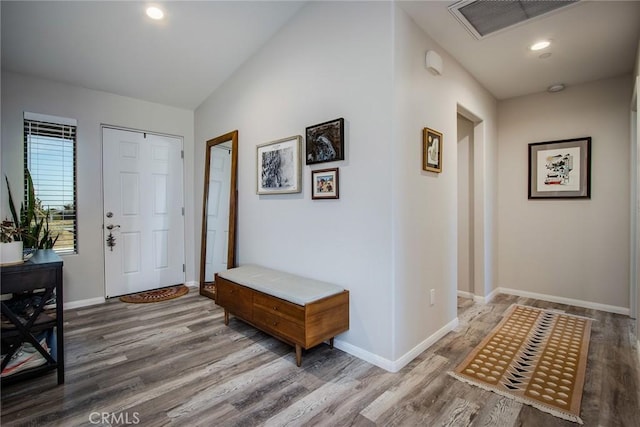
x=299, y=311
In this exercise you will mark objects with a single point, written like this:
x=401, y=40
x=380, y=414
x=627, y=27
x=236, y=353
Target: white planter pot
x=10, y=253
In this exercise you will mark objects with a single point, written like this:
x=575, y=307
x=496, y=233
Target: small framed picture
x=431, y=150
x=560, y=169
x=279, y=166
x=325, y=142
x=325, y=184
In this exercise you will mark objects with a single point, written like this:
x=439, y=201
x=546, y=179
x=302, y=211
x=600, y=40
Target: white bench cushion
x=289, y=287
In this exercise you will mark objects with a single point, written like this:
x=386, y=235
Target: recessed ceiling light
x=154, y=12
x=556, y=87
x=543, y=44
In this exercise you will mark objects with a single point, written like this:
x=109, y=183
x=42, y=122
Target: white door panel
x=142, y=184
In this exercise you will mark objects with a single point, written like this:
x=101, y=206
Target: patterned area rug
x=537, y=357
x=156, y=295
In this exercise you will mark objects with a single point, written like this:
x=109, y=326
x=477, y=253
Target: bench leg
x=226, y=317
x=331, y=343
x=298, y=355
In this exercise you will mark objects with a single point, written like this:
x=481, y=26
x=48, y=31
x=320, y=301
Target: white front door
x=218, y=212
x=143, y=211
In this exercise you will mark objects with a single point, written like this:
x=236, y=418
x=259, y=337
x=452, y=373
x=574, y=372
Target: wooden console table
x=43, y=271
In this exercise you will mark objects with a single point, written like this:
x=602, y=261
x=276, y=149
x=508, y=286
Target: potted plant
x=32, y=225
x=11, y=248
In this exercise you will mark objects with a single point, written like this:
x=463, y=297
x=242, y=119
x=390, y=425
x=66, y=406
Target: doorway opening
x=475, y=265
x=466, y=233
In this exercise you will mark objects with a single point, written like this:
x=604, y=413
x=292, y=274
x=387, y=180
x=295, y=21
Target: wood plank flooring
x=175, y=363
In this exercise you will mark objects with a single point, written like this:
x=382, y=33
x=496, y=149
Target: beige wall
x=572, y=249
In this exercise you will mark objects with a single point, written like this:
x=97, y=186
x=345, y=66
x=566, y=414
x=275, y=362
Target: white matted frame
x=278, y=166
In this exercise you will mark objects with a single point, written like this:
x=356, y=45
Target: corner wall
x=425, y=224
x=574, y=250
x=84, y=272
x=333, y=59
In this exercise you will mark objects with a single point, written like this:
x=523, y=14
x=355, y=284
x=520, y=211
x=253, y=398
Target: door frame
x=483, y=252
x=104, y=236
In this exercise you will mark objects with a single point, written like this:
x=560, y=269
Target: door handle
x=111, y=226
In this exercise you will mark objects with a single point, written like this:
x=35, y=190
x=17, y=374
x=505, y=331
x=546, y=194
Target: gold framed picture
x=431, y=150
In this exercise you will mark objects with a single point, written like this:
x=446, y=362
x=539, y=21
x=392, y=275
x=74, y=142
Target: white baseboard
x=365, y=355
x=100, y=300
x=491, y=296
x=465, y=294
x=477, y=298
x=396, y=365
x=83, y=303
x=568, y=301
x=413, y=353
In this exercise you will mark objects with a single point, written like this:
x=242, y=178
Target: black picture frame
x=560, y=169
x=325, y=184
x=325, y=142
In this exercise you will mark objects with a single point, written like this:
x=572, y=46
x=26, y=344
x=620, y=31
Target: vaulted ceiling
x=114, y=47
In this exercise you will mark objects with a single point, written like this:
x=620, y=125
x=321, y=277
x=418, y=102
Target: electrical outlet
x=433, y=296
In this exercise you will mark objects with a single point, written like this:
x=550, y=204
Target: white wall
x=425, y=203
x=573, y=249
x=331, y=60
x=83, y=273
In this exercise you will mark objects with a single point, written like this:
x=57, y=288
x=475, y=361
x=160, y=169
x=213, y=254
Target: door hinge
x=182, y=154
x=182, y=211
x=183, y=268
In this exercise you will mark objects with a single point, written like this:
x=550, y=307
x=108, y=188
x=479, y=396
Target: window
x=50, y=157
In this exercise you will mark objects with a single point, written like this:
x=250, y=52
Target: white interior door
x=143, y=211
x=218, y=212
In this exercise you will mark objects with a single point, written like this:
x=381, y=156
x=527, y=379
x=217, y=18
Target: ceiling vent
x=484, y=17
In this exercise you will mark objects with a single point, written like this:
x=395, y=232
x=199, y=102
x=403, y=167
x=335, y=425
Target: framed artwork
x=431, y=150
x=279, y=166
x=325, y=142
x=325, y=184
x=560, y=169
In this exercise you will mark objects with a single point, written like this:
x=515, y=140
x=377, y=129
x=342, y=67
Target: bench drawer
x=277, y=306
x=237, y=299
x=278, y=325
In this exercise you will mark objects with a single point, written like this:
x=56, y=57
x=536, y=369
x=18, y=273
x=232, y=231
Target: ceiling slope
x=115, y=47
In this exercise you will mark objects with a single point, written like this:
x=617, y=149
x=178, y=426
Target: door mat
x=534, y=356
x=156, y=295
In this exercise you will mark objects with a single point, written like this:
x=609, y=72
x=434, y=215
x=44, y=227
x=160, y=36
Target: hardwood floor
x=175, y=363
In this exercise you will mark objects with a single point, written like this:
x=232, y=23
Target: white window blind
x=50, y=156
